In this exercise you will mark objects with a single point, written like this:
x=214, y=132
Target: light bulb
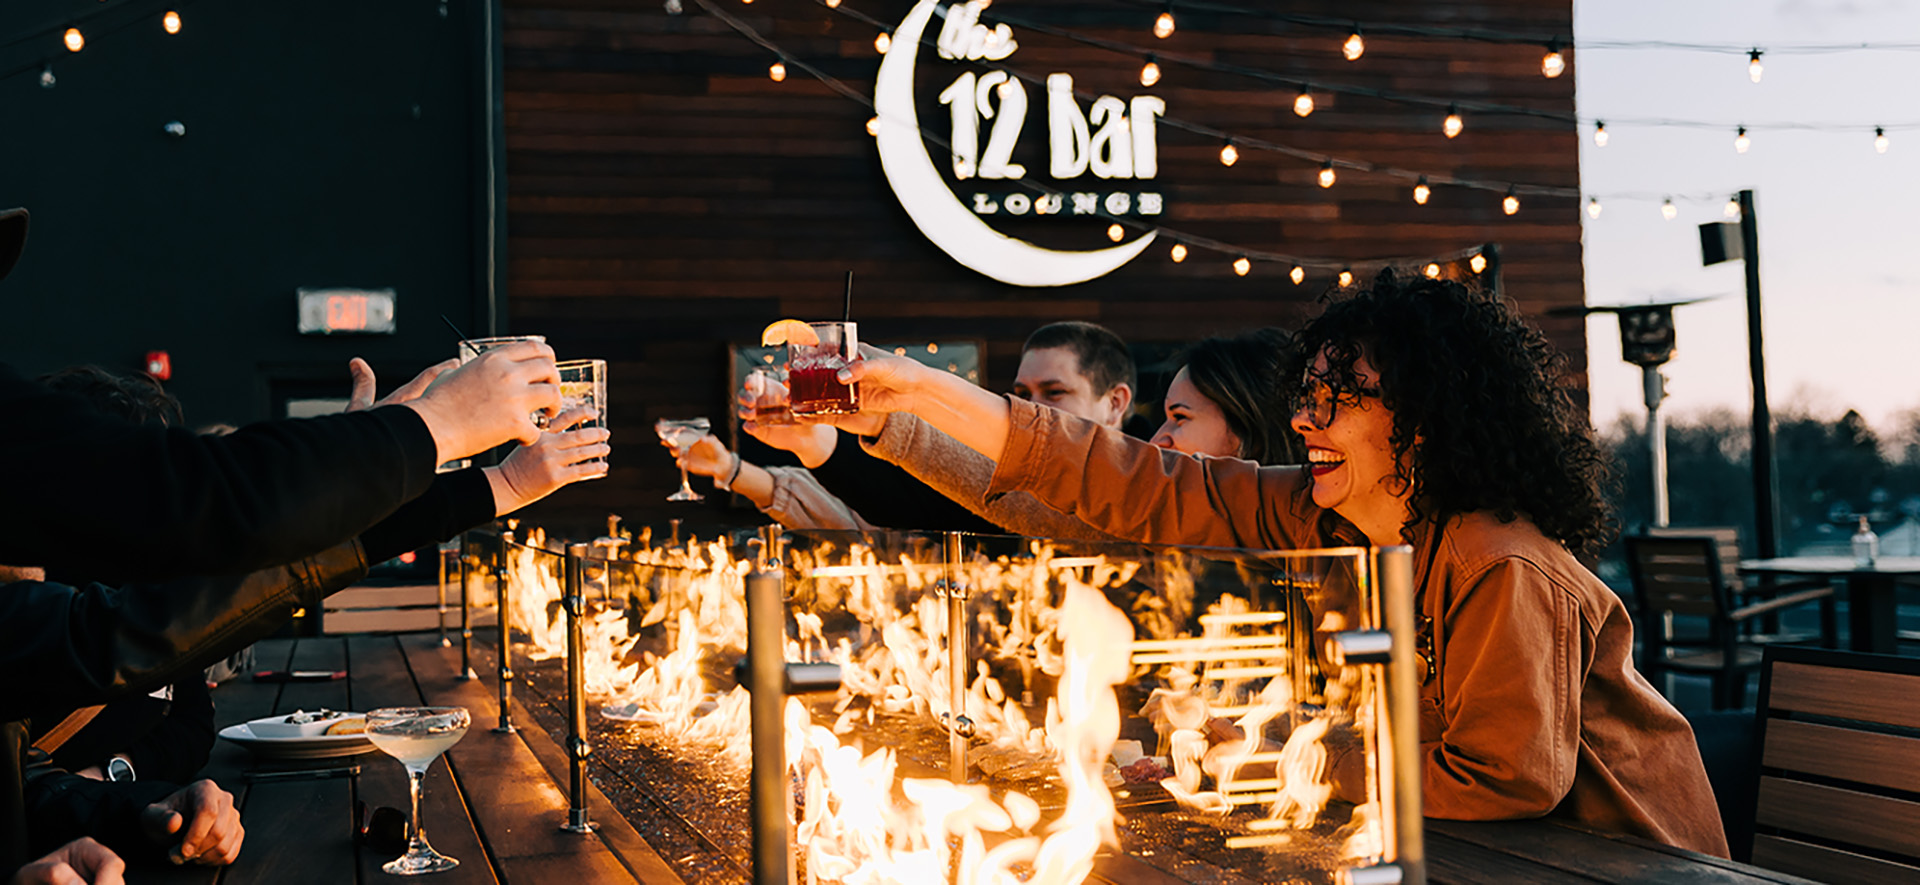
x=74, y=41
x=1600, y=133
x=1163, y=26
x=171, y=21
x=833, y=4
x=1229, y=154
x=1741, y=142
x=1432, y=271
x=1667, y=210
x=873, y=125
x=1510, y=203
x=1326, y=174
x=46, y=76
x=1303, y=103
x=1116, y=232
x=1346, y=278
x=1179, y=252
x=1478, y=262
x=1354, y=47
x=1298, y=275
x=1732, y=209
x=1452, y=125
x=1753, y=65
x=1150, y=72
x=1553, y=64
x=1880, y=139
x=1242, y=266
x=1593, y=207
x=1421, y=191
x=883, y=42
x=778, y=72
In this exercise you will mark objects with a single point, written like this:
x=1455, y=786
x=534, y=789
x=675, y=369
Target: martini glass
x=681, y=433
x=416, y=736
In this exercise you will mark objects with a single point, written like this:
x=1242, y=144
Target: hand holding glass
x=680, y=433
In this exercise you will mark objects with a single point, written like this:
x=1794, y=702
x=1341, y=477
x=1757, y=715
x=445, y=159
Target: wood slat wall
x=665, y=197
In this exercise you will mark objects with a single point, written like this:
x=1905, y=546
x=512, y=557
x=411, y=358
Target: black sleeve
x=177, y=746
x=888, y=496
x=455, y=502
x=62, y=807
x=150, y=503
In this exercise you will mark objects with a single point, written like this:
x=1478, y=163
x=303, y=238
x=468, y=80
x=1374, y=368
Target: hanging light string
x=1179, y=238
x=155, y=14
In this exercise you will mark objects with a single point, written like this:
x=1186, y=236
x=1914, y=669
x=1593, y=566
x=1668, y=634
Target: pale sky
x=1840, y=259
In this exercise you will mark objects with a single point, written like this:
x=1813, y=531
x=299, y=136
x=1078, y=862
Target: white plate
x=326, y=746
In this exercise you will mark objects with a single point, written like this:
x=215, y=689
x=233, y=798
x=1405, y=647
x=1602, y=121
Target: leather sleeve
x=62, y=807
x=92, y=644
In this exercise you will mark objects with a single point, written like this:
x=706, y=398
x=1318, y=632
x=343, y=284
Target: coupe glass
x=681, y=433
x=416, y=736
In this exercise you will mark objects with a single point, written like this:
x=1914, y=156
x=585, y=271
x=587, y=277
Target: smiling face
x=1051, y=376
x=1351, y=460
x=1195, y=425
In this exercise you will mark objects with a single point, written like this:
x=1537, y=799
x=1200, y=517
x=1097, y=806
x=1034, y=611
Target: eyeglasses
x=1321, y=400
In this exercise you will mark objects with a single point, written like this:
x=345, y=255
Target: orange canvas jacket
x=1536, y=708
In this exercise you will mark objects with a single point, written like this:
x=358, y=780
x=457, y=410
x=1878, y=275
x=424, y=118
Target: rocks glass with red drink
x=812, y=370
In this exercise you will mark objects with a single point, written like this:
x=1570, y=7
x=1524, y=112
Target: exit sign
x=346, y=311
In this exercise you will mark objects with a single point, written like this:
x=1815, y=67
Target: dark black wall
x=327, y=144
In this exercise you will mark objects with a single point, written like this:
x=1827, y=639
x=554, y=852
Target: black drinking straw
x=460, y=334
x=846, y=314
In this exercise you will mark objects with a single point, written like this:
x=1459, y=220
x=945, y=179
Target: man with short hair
x=1080, y=368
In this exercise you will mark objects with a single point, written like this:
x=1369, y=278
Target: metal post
x=440, y=584
x=675, y=542
x=1766, y=537
x=769, y=789
x=503, y=599
x=1656, y=391
x=959, y=726
x=578, y=749
x=1404, y=840
x=466, y=618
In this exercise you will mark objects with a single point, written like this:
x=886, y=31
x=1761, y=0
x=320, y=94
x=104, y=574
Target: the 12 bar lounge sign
x=1115, y=141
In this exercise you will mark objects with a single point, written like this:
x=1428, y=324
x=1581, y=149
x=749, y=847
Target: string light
x=1229, y=154
x=1453, y=124
x=1346, y=278
x=1163, y=26
x=1553, y=64
x=1599, y=133
x=883, y=42
x=1741, y=142
x=1432, y=271
x=46, y=76
x=1593, y=207
x=1879, y=139
x=1326, y=174
x=1242, y=266
x=74, y=41
x=1354, y=47
x=873, y=126
x=1179, y=252
x=1478, y=262
x=1753, y=65
x=1732, y=209
x=833, y=4
x=1421, y=192
x=778, y=72
x=171, y=21
x=1510, y=203
x=1149, y=72
x=1116, y=232
x=1303, y=103
x=1298, y=274
x=1667, y=210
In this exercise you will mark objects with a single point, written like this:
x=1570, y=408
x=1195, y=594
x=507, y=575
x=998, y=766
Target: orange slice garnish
x=789, y=332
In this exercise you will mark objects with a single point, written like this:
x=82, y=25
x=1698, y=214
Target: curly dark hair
x=133, y=396
x=1479, y=388
x=1251, y=377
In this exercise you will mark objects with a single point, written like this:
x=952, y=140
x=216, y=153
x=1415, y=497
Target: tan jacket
x=1536, y=708
x=949, y=467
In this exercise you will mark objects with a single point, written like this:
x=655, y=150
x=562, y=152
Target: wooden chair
x=1839, y=766
x=1683, y=576
x=1766, y=629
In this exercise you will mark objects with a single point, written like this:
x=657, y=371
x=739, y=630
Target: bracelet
x=738, y=462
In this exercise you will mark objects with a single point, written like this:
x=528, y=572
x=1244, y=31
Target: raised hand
x=489, y=400
x=708, y=456
x=364, y=385
x=560, y=457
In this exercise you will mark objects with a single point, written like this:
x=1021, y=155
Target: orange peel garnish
x=789, y=332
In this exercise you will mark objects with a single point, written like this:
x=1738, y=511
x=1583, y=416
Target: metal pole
x=769, y=790
x=578, y=749
x=503, y=600
x=1656, y=390
x=1405, y=836
x=466, y=618
x=440, y=583
x=1766, y=537
x=959, y=726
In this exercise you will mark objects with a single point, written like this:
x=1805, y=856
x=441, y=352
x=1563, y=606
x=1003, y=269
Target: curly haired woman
x=1432, y=417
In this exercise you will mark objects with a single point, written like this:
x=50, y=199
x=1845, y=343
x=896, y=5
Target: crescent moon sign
x=940, y=215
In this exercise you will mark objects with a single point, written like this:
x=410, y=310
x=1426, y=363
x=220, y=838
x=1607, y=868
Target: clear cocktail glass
x=681, y=433
x=583, y=384
x=416, y=736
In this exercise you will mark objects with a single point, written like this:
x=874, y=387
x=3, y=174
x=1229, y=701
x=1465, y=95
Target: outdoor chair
x=1681, y=576
x=1839, y=765
x=1743, y=589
